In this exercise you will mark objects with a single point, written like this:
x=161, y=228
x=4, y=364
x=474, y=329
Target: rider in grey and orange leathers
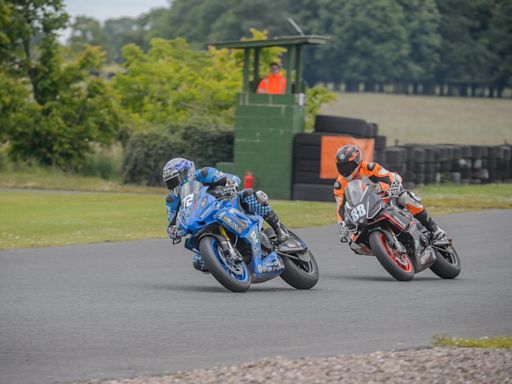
x=351, y=166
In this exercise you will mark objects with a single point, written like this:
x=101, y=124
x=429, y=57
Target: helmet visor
x=346, y=168
x=173, y=182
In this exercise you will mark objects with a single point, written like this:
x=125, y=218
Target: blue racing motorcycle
x=235, y=248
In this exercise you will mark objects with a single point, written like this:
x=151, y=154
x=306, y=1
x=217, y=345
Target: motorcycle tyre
x=443, y=268
x=379, y=250
x=218, y=271
x=297, y=277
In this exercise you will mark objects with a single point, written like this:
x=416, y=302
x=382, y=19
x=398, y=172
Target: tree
x=202, y=21
x=86, y=31
x=422, y=24
x=464, y=53
x=370, y=42
x=319, y=17
x=14, y=105
x=32, y=21
x=52, y=111
x=79, y=111
x=499, y=37
x=174, y=84
x=191, y=19
x=131, y=30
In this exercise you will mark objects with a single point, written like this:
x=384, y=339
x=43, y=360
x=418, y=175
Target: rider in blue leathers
x=179, y=171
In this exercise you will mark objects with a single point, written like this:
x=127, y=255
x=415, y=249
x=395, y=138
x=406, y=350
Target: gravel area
x=429, y=365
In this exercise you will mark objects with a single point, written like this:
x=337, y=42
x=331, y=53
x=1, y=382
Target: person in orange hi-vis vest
x=274, y=83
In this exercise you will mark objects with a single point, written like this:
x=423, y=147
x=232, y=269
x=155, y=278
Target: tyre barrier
x=465, y=164
x=418, y=164
x=346, y=126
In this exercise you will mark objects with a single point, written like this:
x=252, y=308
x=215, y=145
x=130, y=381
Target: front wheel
x=233, y=276
x=447, y=265
x=301, y=273
x=397, y=264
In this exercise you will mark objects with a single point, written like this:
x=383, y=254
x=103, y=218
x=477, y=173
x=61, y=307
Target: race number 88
x=358, y=212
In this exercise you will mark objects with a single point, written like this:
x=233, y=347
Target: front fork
x=228, y=247
x=394, y=242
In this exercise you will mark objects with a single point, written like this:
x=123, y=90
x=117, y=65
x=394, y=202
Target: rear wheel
x=397, y=264
x=301, y=273
x=234, y=276
x=447, y=265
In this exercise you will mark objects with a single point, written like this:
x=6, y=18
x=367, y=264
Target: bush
x=3, y=160
x=103, y=162
x=208, y=145
x=147, y=152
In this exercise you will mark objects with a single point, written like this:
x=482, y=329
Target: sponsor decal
x=238, y=228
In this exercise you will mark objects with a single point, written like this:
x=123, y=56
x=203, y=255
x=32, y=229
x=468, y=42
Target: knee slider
x=262, y=197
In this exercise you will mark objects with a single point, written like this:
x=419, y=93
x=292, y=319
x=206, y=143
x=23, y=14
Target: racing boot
x=280, y=231
x=426, y=220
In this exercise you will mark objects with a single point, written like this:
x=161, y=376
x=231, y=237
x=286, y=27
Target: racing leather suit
x=376, y=173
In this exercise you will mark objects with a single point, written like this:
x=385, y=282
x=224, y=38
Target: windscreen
x=188, y=188
x=355, y=191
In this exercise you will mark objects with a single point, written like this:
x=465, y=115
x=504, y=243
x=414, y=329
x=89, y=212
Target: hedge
x=146, y=152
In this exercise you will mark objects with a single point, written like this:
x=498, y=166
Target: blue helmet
x=178, y=171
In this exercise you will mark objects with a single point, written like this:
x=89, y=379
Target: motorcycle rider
x=179, y=171
x=351, y=166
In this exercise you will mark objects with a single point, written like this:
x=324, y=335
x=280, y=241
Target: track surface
x=138, y=308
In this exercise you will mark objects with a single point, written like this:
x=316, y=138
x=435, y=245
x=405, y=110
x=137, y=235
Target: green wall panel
x=264, y=130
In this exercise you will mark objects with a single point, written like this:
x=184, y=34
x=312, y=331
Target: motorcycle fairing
x=360, y=197
x=200, y=210
x=363, y=197
x=412, y=237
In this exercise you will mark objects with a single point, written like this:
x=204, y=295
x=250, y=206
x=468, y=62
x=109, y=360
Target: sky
x=106, y=9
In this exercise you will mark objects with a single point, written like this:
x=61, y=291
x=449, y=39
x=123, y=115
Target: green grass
x=429, y=119
x=32, y=219
x=54, y=179
x=39, y=219
x=504, y=342
x=442, y=199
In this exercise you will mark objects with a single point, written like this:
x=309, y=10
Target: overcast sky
x=106, y=9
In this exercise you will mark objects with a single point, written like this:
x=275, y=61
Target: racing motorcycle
x=380, y=227
x=235, y=248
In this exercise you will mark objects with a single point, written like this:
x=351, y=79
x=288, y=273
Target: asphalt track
x=138, y=308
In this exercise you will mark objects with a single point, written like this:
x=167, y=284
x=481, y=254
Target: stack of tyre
x=307, y=184
x=418, y=164
x=426, y=164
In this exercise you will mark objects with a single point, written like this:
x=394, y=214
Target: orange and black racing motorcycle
x=380, y=227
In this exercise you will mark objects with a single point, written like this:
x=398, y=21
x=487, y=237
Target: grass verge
x=443, y=199
x=54, y=179
x=48, y=218
x=429, y=119
x=502, y=342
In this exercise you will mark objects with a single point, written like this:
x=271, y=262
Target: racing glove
x=396, y=188
x=230, y=188
x=343, y=232
x=173, y=233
